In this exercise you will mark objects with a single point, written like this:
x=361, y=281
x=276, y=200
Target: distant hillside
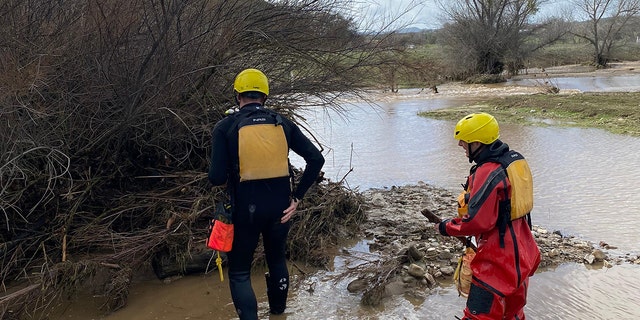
x=412, y=30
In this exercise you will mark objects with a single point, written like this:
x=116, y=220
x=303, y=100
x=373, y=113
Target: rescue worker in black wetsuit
x=252, y=159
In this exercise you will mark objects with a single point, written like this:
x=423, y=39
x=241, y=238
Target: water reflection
x=575, y=292
x=627, y=83
x=386, y=144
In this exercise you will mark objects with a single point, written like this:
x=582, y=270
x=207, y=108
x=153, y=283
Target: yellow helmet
x=477, y=127
x=251, y=80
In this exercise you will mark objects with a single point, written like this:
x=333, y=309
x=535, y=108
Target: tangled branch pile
x=330, y=212
x=105, y=113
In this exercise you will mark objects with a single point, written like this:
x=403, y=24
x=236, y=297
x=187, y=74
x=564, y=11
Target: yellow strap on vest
x=219, y=264
x=462, y=204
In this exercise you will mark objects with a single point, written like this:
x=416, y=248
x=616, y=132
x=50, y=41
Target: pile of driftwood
x=165, y=228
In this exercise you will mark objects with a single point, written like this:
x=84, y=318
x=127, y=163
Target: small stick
x=64, y=245
x=430, y=216
x=299, y=269
x=435, y=219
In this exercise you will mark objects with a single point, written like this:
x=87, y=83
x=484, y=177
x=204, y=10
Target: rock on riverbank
x=398, y=231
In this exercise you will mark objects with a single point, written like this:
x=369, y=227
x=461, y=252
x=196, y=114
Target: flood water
x=587, y=83
x=585, y=184
x=584, y=179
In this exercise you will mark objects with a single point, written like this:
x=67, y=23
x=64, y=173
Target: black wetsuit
x=258, y=206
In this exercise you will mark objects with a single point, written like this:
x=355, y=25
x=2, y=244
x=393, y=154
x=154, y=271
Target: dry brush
x=106, y=109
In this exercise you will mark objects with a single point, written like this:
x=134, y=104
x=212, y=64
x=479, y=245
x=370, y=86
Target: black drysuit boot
x=277, y=290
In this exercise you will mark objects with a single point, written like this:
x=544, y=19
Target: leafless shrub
x=489, y=37
x=330, y=213
x=546, y=84
x=106, y=109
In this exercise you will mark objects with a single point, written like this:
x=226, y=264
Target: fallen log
x=165, y=266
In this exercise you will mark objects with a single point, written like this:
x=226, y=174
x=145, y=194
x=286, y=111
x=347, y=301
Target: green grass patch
x=615, y=112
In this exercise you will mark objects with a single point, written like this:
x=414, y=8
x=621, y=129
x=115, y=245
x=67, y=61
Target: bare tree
x=605, y=21
x=538, y=36
x=483, y=33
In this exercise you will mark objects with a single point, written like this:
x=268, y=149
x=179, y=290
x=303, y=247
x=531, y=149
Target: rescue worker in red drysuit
x=502, y=264
x=256, y=171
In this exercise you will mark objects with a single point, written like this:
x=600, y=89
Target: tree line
x=493, y=38
x=498, y=35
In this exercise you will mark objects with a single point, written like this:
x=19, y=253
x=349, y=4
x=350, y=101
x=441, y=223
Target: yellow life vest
x=263, y=151
x=463, y=201
x=520, y=200
x=521, y=180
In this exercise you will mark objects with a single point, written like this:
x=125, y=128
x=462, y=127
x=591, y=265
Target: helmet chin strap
x=473, y=154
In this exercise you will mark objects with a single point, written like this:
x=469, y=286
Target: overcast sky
x=421, y=13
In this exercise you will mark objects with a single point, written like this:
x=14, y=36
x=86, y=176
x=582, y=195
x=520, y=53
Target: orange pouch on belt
x=221, y=237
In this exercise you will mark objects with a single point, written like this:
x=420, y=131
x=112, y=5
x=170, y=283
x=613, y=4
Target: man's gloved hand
x=288, y=212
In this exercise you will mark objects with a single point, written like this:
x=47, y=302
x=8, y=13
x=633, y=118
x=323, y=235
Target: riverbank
x=538, y=75
x=615, y=112
x=544, y=103
x=402, y=259
x=425, y=260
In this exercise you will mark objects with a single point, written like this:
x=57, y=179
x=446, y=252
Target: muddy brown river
x=585, y=184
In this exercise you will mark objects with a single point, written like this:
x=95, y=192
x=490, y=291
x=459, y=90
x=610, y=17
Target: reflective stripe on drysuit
x=502, y=271
x=258, y=206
